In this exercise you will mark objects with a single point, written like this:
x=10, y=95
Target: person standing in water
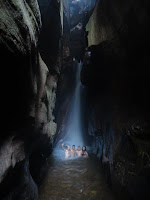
x=72, y=151
x=66, y=150
x=79, y=151
x=84, y=152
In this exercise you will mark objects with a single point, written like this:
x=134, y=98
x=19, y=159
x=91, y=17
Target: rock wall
x=51, y=28
x=28, y=95
x=116, y=74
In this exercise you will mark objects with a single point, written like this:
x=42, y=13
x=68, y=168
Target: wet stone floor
x=74, y=179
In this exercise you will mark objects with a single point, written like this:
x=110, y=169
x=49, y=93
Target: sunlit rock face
x=116, y=74
x=29, y=94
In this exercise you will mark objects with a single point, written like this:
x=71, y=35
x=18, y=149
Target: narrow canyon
x=76, y=73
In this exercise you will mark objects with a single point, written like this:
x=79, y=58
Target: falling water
x=74, y=124
x=74, y=179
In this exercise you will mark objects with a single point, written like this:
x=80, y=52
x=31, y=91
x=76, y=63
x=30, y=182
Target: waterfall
x=74, y=124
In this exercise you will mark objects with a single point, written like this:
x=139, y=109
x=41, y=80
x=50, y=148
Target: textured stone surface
x=19, y=183
x=29, y=96
x=118, y=94
x=19, y=32
x=42, y=110
x=11, y=153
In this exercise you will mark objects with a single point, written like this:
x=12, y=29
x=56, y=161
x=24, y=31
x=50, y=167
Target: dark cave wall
x=50, y=48
x=29, y=94
x=116, y=74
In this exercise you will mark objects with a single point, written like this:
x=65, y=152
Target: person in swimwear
x=66, y=150
x=79, y=151
x=72, y=151
x=84, y=152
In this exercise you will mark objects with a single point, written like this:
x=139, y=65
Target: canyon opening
x=75, y=100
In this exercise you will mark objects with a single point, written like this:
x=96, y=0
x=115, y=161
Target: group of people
x=72, y=152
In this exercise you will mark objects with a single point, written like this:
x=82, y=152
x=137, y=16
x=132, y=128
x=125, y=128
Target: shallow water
x=74, y=179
